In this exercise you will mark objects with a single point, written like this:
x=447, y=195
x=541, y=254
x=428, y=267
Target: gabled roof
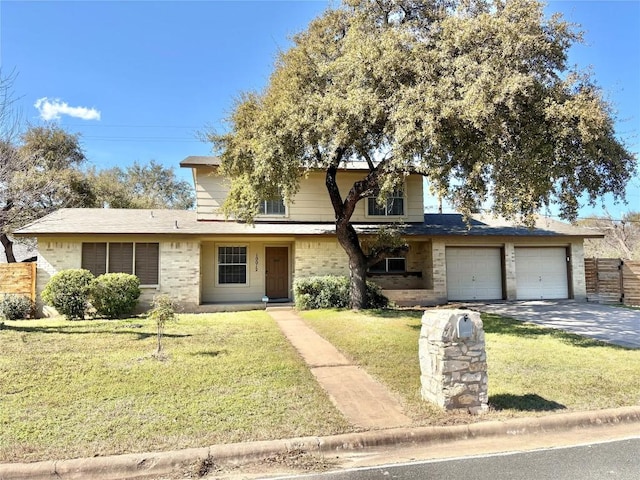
x=482, y=225
x=205, y=161
x=101, y=221
x=198, y=161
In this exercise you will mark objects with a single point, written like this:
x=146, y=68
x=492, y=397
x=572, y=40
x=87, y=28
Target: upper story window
x=394, y=206
x=390, y=265
x=272, y=207
x=140, y=259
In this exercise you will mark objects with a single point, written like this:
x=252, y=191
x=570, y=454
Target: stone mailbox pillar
x=453, y=362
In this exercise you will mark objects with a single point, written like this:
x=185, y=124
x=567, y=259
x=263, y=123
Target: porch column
x=577, y=278
x=439, y=270
x=510, y=271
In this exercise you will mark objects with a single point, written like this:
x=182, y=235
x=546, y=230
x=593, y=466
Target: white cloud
x=53, y=109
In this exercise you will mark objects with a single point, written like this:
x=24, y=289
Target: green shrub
x=16, y=307
x=115, y=295
x=68, y=292
x=332, y=292
x=375, y=298
x=162, y=311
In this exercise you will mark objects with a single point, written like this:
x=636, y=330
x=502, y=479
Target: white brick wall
x=179, y=274
x=320, y=257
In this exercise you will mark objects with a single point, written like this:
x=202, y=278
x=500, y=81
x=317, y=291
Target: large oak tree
x=474, y=95
x=39, y=173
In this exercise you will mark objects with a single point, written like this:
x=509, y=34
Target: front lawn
x=70, y=389
x=85, y=388
x=531, y=369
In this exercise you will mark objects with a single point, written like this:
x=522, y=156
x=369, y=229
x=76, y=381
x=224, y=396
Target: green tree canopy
x=141, y=186
x=475, y=95
x=39, y=174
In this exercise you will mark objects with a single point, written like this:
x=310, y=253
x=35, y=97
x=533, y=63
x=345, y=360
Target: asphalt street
x=618, y=460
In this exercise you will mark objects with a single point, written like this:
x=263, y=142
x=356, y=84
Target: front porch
x=216, y=307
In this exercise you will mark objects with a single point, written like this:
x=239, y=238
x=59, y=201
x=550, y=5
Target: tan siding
x=254, y=290
x=311, y=204
x=211, y=190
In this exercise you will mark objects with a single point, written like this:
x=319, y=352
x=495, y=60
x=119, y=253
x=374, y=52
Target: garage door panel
x=474, y=273
x=541, y=273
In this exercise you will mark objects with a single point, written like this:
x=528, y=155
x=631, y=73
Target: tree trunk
x=348, y=239
x=8, y=248
x=358, y=284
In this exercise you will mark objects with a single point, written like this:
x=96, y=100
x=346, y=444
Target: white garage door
x=541, y=273
x=474, y=273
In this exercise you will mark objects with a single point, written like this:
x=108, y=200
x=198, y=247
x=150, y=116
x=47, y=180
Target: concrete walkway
x=362, y=400
x=616, y=325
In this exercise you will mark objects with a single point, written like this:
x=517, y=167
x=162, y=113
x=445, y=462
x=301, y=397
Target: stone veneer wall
x=453, y=366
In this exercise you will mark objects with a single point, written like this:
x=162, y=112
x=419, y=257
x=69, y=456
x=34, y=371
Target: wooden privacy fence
x=18, y=278
x=611, y=280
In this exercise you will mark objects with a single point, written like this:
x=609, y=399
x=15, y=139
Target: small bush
x=162, y=311
x=16, y=307
x=115, y=295
x=332, y=292
x=68, y=292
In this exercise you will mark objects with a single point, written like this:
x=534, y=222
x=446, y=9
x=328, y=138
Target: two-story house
x=207, y=263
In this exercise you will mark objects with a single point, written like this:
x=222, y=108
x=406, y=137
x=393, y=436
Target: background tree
x=40, y=173
x=474, y=95
x=141, y=186
x=621, y=237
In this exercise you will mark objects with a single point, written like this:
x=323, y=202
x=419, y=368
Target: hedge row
x=112, y=295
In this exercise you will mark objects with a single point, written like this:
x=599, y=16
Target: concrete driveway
x=617, y=325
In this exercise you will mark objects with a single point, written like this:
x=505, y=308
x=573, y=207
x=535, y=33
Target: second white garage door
x=541, y=273
x=474, y=273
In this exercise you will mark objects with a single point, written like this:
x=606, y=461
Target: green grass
x=531, y=369
x=86, y=388
x=70, y=389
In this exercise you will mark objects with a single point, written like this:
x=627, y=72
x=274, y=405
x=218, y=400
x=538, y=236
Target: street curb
x=144, y=465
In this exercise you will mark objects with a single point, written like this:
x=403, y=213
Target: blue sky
x=138, y=79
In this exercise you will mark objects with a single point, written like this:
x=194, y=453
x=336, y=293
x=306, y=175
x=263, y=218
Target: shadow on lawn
x=529, y=402
x=496, y=324
x=85, y=329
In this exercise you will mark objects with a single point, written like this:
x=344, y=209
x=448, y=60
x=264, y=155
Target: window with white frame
x=390, y=265
x=272, y=207
x=232, y=265
x=140, y=259
x=393, y=206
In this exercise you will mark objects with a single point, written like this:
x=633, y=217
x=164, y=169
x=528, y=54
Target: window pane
x=121, y=258
x=374, y=208
x=396, y=265
x=232, y=265
x=394, y=205
x=389, y=265
x=272, y=207
x=147, y=262
x=232, y=274
x=94, y=257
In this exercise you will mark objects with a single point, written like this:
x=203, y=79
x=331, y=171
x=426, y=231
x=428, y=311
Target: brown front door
x=277, y=272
